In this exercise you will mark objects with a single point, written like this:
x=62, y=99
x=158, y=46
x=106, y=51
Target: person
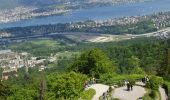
x=143, y=80
x=147, y=79
x=131, y=87
x=128, y=86
x=125, y=82
x=104, y=95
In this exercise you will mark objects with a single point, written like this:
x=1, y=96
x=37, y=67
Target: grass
x=43, y=47
x=47, y=43
x=36, y=43
x=67, y=54
x=64, y=59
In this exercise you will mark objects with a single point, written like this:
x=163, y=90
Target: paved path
x=140, y=83
x=123, y=94
x=163, y=94
x=100, y=89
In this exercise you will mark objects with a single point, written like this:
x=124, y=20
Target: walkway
x=163, y=94
x=100, y=89
x=123, y=94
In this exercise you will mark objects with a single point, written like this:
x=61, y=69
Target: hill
x=7, y=4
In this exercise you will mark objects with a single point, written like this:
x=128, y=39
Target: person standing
x=131, y=87
x=128, y=86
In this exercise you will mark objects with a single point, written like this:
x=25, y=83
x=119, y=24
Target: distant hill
x=6, y=4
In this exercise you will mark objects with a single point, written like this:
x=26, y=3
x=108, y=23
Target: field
x=42, y=47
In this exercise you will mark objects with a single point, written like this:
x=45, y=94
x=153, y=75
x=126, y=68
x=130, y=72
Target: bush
x=66, y=85
x=152, y=94
x=88, y=94
x=111, y=79
x=154, y=82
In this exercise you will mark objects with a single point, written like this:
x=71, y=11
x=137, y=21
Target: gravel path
x=100, y=89
x=163, y=94
x=123, y=94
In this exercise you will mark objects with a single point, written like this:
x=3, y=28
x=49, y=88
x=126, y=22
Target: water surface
x=98, y=13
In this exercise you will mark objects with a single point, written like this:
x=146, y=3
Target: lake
x=97, y=13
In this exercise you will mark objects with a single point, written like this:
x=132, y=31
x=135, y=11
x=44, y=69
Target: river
x=97, y=13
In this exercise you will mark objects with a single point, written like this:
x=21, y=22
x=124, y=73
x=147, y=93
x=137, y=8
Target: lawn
x=42, y=47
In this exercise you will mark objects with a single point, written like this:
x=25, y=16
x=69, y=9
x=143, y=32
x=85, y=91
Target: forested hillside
x=138, y=28
x=108, y=62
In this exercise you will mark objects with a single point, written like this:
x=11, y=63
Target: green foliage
x=5, y=91
x=134, y=66
x=93, y=63
x=151, y=95
x=25, y=86
x=150, y=57
x=24, y=94
x=66, y=85
x=137, y=28
x=154, y=82
x=131, y=57
x=111, y=79
x=88, y=94
x=50, y=96
x=38, y=47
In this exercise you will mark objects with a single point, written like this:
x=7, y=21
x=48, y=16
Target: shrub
x=154, y=82
x=88, y=94
x=111, y=79
x=152, y=94
x=66, y=85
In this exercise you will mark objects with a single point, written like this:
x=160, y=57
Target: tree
x=65, y=85
x=134, y=66
x=93, y=63
x=5, y=91
x=24, y=94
